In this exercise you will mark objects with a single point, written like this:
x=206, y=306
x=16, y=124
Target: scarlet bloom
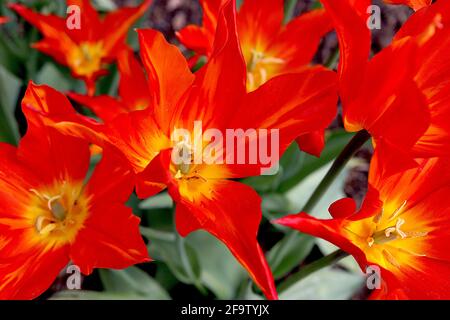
x=50, y=216
x=402, y=227
x=214, y=98
x=3, y=20
x=86, y=48
x=270, y=47
x=134, y=91
x=401, y=94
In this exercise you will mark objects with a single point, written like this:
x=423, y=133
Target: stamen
x=59, y=217
x=47, y=229
x=254, y=60
x=390, y=258
x=411, y=252
x=39, y=221
x=396, y=229
x=185, y=153
x=272, y=60
x=51, y=200
x=263, y=74
x=388, y=231
x=399, y=223
x=44, y=225
x=398, y=210
x=40, y=195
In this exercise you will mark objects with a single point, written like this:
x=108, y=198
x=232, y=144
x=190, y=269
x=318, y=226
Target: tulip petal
x=232, y=214
x=105, y=107
x=169, y=74
x=349, y=18
x=415, y=4
x=312, y=143
x=110, y=237
x=134, y=90
x=118, y=23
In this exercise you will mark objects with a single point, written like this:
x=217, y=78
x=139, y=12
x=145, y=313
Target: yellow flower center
x=392, y=238
x=58, y=212
x=86, y=59
x=195, y=180
x=260, y=68
x=185, y=153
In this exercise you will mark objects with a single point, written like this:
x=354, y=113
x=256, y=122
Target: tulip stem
x=309, y=269
x=338, y=165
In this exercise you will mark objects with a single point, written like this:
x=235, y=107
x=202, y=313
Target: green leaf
x=160, y=201
x=288, y=253
x=50, y=75
x=11, y=56
x=301, y=193
x=290, y=163
x=133, y=281
x=349, y=262
x=326, y=284
x=9, y=91
x=166, y=249
x=265, y=184
x=334, y=145
x=293, y=248
x=274, y=203
x=250, y=294
x=220, y=272
x=296, y=165
x=109, y=83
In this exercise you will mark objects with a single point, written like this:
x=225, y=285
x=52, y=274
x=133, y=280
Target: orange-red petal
x=168, y=72
x=415, y=4
x=231, y=213
x=312, y=143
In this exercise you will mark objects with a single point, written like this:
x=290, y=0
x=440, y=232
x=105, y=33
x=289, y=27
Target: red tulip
x=134, y=91
x=401, y=94
x=86, y=48
x=402, y=227
x=50, y=215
